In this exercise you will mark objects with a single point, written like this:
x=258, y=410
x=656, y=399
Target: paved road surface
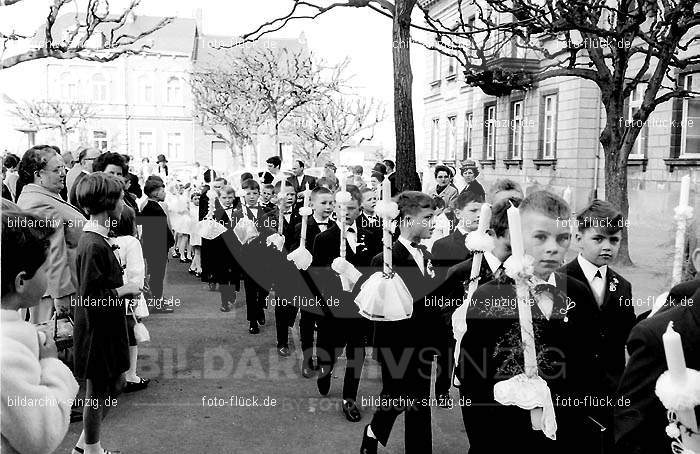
x=199, y=358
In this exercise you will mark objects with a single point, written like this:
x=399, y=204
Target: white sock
x=81, y=441
x=133, y=356
x=94, y=448
x=370, y=433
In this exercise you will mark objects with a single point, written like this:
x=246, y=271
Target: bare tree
x=222, y=103
x=62, y=116
x=96, y=33
x=334, y=124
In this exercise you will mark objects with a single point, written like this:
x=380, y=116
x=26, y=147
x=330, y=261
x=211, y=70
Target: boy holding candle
x=266, y=193
x=406, y=347
x=367, y=218
x=226, y=272
x=341, y=325
x=566, y=341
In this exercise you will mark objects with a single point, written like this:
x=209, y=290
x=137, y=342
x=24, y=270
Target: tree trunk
x=616, y=175
x=278, y=149
x=406, y=175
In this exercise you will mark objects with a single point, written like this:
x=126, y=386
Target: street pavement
x=217, y=389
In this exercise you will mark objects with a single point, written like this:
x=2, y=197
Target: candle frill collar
x=386, y=209
x=682, y=213
x=519, y=269
x=478, y=241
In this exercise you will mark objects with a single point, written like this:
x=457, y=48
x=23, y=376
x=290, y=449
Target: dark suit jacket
x=616, y=320
x=449, y=251
x=373, y=223
x=639, y=426
x=6, y=194
x=156, y=237
x=308, y=179
x=568, y=359
x=475, y=188
x=455, y=286
x=392, y=180
x=225, y=251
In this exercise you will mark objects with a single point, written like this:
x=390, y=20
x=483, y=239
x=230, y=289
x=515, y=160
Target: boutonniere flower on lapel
x=429, y=268
x=114, y=247
x=613, y=284
x=570, y=304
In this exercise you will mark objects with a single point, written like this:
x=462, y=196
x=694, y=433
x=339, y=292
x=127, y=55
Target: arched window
x=145, y=88
x=174, y=95
x=99, y=88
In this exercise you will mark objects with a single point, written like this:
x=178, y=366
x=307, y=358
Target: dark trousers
x=228, y=293
x=254, y=299
x=284, y=319
x=336, y=334
x=410, y=381
x=307, y=325
x=155, y=267
x=445, y=359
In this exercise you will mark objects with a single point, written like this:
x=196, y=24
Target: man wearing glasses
x=86, y=157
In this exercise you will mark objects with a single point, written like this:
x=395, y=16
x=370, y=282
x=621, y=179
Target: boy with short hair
x=30, y=367
x=409, y=342
x=249, y=258
x=367, y=217
x=226, y=247
x=598, y=236
x=341, y=326
x=566, y=339
x=266, y=193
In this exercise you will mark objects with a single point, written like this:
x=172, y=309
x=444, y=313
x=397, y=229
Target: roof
x=176, y=37
x=210, y=51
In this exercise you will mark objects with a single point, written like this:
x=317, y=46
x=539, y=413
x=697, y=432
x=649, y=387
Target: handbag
x=141, y=309
x=63, y=332
x=141, y=334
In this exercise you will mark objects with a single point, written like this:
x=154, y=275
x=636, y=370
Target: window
x=451, y=147
x=68, y=87
x=437, y=61
x=174, y=91
x=99, y=88
x=435, y=139
x=549, y=127
x=516, y=130
x=146, y=144
x=690, y=126
x=468, y=128
x=175, y=146
x=634, y=103
x=451, y=67
x=145, y=88
x=490, y=132
x=100, y=139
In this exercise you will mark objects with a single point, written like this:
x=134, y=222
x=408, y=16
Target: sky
x=358, y=33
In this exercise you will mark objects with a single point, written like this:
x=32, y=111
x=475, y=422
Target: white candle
x=484, y=217
x=673, y=348
x=685, y=191
x=386, y=225
x=516, y=233
x=282, y=206
x=341, y=215
x=305, y=218
x=567, y=195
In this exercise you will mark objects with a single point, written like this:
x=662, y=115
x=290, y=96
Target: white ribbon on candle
x=683, y=213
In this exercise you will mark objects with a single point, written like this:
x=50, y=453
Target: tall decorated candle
x=305, y=218
x=685, y=191
x=516, y=233
x=484, y=217
x=386, y=224
x=673, y=347
x=341, y=212
x=282, y=203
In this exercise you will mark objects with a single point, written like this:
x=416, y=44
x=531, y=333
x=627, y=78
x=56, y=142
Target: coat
x=68, y=221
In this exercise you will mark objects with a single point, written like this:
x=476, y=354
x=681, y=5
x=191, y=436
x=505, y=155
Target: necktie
x=499, y=271
x=545, y=298
x=598, y=287
x=351, y=229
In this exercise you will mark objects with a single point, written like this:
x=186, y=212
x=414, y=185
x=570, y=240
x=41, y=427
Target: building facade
x=548, y=136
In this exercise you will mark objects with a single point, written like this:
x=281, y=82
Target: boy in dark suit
x=322, y=203
x=367, y=217
x=599, y=233
x=284, y=276
x=266, y=193
x=454, y=289
x=341, y=325
x=252, y=266
x=406, y=347
x=640, y=424
x=567, y=346
x=156, y=238
x=226, y=248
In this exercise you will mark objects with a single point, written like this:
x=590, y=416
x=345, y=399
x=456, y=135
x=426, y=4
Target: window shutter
x=486, y=132
x=540, y=142
x=511, y=128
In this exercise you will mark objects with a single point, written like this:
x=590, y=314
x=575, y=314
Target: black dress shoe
x=352, y=413
x=323, y=382
x=261, y=321
x=369, y=444
x=132, y=386
x=254, y=329
x=306, y=372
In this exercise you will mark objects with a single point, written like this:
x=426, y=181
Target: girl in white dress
x=195, y=238
x=180, y=222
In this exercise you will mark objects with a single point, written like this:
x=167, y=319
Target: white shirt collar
x=590, y=269
x=353, y=225
x=492, y=261
x=95, y=227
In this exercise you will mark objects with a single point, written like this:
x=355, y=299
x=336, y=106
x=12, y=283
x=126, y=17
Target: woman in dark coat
x=100, y=334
